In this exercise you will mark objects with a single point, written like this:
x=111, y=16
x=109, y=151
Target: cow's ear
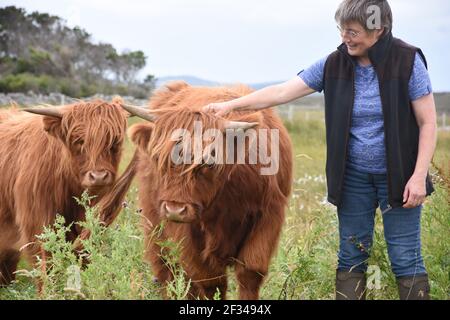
x=53, y=126
x=140, y=134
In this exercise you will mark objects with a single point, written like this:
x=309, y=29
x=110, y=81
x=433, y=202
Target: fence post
x=444, y=120
x=291, y=113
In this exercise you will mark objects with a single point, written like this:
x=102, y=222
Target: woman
x=381, y=135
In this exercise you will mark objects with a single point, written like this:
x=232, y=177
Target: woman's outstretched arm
x=264, y=98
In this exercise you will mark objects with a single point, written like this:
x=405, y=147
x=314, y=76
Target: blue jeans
x=362, y=194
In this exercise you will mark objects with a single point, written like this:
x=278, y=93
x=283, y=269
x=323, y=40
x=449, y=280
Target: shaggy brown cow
x=3, y=115
x=232, y=214
x=6, y=113
x=45, y=161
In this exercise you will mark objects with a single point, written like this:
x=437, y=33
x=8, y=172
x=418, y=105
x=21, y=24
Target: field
x=303, y=268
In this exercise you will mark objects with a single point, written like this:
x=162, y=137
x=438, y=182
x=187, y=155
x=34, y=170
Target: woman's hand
x=220, y=108
x=415, y=192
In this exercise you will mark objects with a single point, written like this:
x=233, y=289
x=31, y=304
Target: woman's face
x=357, y=39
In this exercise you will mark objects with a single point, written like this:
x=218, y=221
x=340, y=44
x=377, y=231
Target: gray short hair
x=363, y=11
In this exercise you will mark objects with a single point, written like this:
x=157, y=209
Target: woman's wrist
x=234, y=105
x=420, y=173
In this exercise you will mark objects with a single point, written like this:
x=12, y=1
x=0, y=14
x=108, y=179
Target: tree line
x=40, y=53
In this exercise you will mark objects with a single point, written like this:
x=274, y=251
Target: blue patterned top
x=366, y=150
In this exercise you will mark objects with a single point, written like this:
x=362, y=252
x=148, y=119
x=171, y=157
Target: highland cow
x=222, y=214
x=48, y=159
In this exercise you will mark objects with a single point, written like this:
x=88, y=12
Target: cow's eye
x=207, y=166
x=78, y=144
x=115, y=147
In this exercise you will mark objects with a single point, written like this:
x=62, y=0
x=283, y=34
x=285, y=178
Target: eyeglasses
x=353, y=34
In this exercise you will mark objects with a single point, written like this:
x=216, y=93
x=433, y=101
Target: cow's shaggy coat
x=235, y=214
x=45, y=161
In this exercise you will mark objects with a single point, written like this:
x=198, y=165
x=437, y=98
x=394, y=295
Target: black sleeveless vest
x=393, y=61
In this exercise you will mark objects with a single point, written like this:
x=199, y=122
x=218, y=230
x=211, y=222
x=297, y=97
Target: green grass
x=303, y=268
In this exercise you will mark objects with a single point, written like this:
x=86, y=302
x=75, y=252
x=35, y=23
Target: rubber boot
x=414, y=288
x=350, y=285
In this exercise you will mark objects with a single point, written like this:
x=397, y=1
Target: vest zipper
x=347, y=137
x=385, y=143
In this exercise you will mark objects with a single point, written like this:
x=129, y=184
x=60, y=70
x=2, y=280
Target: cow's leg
x=9, y=253
x=159, y=268
x=254, y=258
x=32, y=222
x=8, y=265
x=204, y=288
x=250, y=281
x=154, y=255
x=206, y=284
x=35, y=254
x=33, y=250
x=209, y=288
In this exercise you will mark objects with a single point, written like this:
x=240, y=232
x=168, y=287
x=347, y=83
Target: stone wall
x=31, y=99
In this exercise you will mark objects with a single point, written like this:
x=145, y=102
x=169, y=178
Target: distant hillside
x=314, y=101
x=442, y=102
x=258, y=86
x=195, y=81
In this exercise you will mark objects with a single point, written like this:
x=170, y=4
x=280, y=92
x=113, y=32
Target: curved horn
x=139, y=112
x=240, y=125
x=47, y=111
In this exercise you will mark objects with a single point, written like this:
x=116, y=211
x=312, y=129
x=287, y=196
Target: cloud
x=235, y=40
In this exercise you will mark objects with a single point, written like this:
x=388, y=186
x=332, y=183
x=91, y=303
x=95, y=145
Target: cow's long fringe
x=104, y=125
x=165, y=103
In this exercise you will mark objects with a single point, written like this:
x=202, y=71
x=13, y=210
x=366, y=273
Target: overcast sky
x=243, y=40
